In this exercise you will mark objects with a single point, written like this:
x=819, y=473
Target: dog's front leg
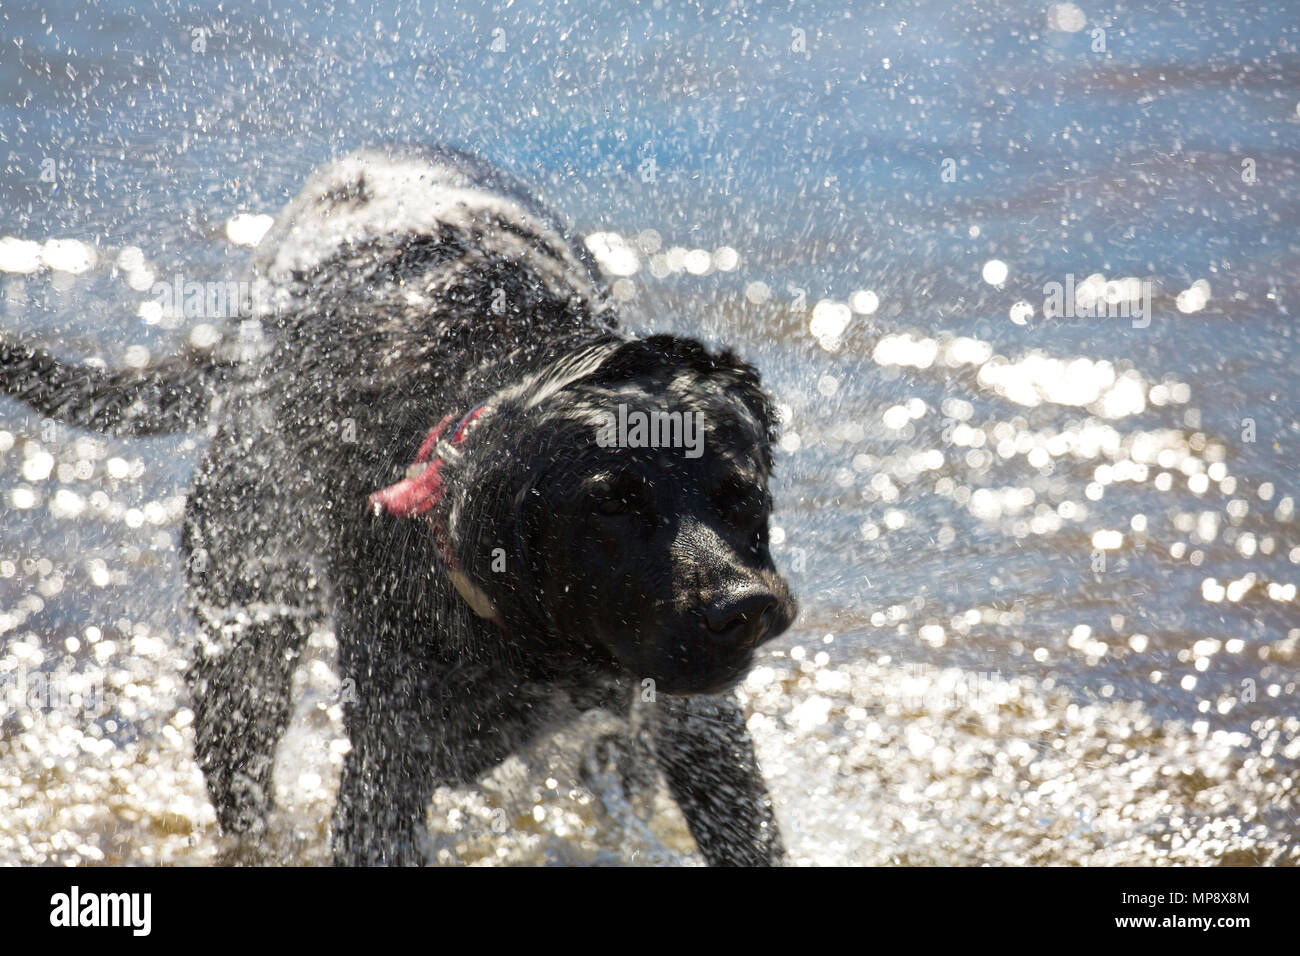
x=389, y=774
x=704, y=750
x=379, y=819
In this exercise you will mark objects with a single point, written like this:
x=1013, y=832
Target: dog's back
x=418, y=224
x=392, y=191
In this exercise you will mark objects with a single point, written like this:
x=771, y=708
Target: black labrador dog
x=427, y=430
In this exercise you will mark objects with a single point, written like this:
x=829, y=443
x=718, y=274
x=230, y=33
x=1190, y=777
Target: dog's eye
x=744, y=514
x=612, y=506
x=623, y=494
x=740, y=503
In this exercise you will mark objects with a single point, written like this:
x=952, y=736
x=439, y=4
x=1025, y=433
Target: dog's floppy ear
x=672, y=353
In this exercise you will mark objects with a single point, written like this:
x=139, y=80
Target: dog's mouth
x=682, y=662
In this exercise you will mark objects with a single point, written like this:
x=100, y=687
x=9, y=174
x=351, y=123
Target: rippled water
x=1047, y=565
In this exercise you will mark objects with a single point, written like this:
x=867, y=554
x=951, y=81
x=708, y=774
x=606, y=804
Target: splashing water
x=1047, y=559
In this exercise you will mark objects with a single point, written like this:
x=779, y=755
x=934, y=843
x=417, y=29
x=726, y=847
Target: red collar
x=421, y=489
x=420, y=493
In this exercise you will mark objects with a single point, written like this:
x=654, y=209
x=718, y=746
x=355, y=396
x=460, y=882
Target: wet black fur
x=620, y=565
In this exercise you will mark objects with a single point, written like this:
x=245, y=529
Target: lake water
x=1047, y=563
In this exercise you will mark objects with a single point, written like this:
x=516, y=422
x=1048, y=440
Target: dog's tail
x=171, y=395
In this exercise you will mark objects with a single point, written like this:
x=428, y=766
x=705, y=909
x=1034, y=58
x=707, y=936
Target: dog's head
x=627, y=509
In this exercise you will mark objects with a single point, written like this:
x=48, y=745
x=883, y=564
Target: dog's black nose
x=741, y=618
